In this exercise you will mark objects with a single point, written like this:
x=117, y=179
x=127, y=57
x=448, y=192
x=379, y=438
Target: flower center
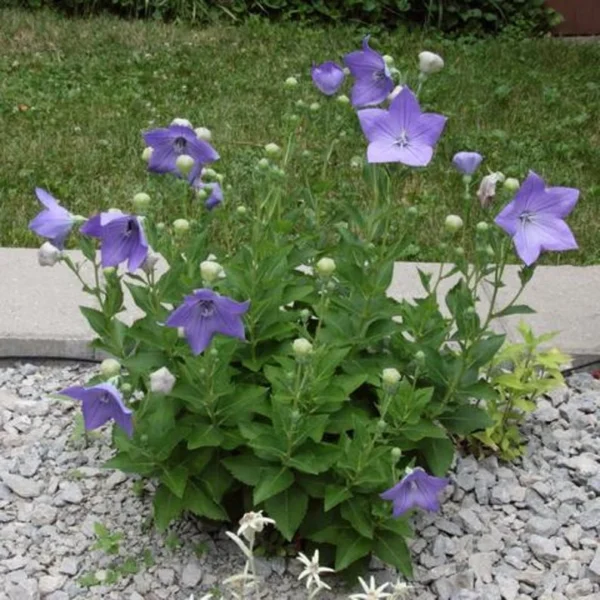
x=402, y=140
x=379, y=75
x=179, y=144
x=526, y=217
x=206, y=308
x=105, y=398
x=130, y=226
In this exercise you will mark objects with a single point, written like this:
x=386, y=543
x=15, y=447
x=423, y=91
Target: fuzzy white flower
x=430, y=63
x=370, y=591
x=253, y=522
x=48, y=255
x=162, y=381
x=313, y=571
x=181, y=123
x=400, y=590
x=203, y=133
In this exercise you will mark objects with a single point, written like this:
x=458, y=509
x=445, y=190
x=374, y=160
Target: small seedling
x=108, y=542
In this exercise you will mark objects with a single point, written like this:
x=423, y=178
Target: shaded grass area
x=75, y=96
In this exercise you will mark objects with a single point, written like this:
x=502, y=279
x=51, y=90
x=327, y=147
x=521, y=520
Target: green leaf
x=141, y=296
x=272, y=481
x=96, y=319
x=516, y=309
x=392, y=549
x=466, y=419
x=204, y=435
x=483, y=351
x=88, y=247
x=245, y=468
x=198, y=501
x=130, y=464
x=216, y=479
x=439, y=454
x=358, y=513
x=349, y=548
x=334, y=494
x=288, y=509
x=167, y=507
x=175, y=479
x=421, y=430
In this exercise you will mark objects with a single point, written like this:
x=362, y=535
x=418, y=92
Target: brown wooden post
x=581, y=17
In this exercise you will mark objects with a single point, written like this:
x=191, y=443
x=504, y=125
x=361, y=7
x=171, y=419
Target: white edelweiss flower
x=430, y=63
x=253, y=522
x=313, y=571
x=162, y=381
x=203, y=133
x=181, y=123
x=371, y=592
x=48, y=255
x=400, y=590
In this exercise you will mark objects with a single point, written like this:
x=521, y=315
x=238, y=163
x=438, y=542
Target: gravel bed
x=528, y=530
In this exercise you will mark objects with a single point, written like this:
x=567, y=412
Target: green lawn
x=75, y=95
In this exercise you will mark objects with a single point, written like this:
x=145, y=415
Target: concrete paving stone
x=41, y=317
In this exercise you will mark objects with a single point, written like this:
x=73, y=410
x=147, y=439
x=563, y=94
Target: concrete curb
x=40, y=315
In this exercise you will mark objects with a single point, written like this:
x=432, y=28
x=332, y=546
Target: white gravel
x=528, y=530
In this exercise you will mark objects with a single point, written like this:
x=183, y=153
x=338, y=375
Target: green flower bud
x=453, y=223
x=203, y=133
x=291, y=82
x=420, y=357
x=126, y=388
x=109, y=272
x=263, y=164
x=209, y=174
x=141, y=202
x=482, y=227
x=302, y=348
x=470, y=310
x=147, y=154
x=389, y=60
x=300, y=103
x=511, y=184
x=110, y=367
x=181, y=226
x=343, y=99
x=211, y=271
x=381, y=424
x=241, y=210
x=396, y=453
x=184, y=164
x=315, y=106
x=459, y=251
x=356, y=162
x=272, y=149
x=490, y=251
x=214, y=352
x=390, y=377
x=305, y=314
x=295, y=416
x=325, y=267
x=160, y=227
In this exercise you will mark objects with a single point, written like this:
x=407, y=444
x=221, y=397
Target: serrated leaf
x=439, y=454
x=288, y=509
x=516, y=309
x=466, y=419
x=334, y=494
x=245, y=467
x=357, y=512
x=167, y=507
x=175, y=479
x=391, y=548
x=199, y=501
x=204, y=435
x=273, y=480
x=350, y=546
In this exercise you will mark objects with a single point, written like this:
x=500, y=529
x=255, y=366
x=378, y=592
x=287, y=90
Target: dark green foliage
x=449, y=16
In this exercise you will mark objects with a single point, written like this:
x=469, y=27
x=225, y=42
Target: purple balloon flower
x=535, y=218
x=416, y=489
x=172, y=142
x=402, y=133
x=216, y=196
x=101, y=403
x=204, y=314
x=54, y=222
x=467, y=162
x=373, y=80
x=328, y=77
x=122, y=238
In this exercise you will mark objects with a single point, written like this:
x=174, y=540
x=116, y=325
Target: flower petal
x=428, y=128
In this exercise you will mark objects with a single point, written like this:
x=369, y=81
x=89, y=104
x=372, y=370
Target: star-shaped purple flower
x=467, y=162
x=204, y=314
x=101, y=403
x=122, y=238
x=54, y=222
x=373, y=80
x=173, y=141
x=535, y=218
x=215, y=190
x=402, y=133
x=328, y=77
x=416, y=489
